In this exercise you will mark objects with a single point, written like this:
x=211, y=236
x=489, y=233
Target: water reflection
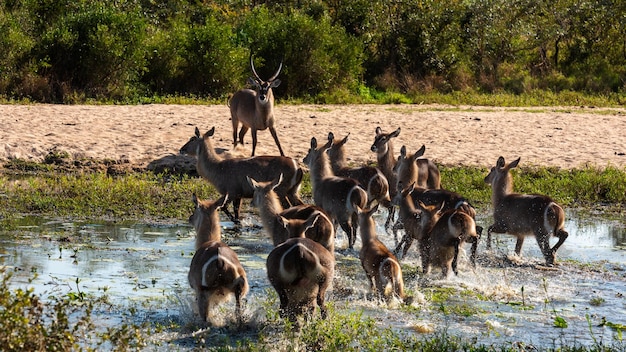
x=143, y=262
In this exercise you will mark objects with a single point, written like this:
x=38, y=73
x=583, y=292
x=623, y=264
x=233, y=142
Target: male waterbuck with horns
x=523, y=214
x=254, y=108
x=338, y=196
x=215, y=272
x=229, y=176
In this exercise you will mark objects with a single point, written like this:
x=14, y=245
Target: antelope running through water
x=523, y=214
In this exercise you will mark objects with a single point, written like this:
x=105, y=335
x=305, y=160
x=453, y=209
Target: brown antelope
x=277, y=221
x=254, y=108
x=523, y=214
x=445, y=231
x=370, y=178
x=301, y=271
x=338, y=196
x=229, y=176
x=381, y=266
x=215, y=272
x=423, y=172
x=409, y=215
x=383, y=147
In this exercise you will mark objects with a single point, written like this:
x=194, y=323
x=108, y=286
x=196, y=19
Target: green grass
x=154, y=197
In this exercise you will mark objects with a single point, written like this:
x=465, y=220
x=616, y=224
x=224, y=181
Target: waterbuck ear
x=420, y=152
x=283, y=221
x=197, y=132
x=252, y=182
x=194, y=199
x=374, y=209
x=331, y=136
x=345, y=139
x=209, y=133
x=253, y=82
x=395, y=133
x=500, y=162
x=313, y=143
x=403, y=151
x=379, y=130
x=513, y=163
x=275, y=83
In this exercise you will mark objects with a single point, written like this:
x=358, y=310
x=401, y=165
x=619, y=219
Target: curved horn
x=253, y=70
x=277, y=72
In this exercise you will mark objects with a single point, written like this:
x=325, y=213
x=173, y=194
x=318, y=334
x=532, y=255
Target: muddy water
x=504, y=299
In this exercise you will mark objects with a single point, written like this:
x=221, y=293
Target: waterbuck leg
x=455, y=260
x=254, y=139
x=242, y=133
x=273, y=132
x=519, y=243
x=562, y=235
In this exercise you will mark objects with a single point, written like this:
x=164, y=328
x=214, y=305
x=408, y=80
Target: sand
x=139, y=135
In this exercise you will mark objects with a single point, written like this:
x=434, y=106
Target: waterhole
x=504, y=299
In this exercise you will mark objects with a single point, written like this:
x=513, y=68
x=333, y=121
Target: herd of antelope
x=302, y=263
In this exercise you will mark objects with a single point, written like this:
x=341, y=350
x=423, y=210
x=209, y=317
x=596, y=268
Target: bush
x=198, y=59
x=96, y=51
x=318, y=56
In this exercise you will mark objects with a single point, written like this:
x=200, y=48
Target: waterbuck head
x=191, y=147
x=499, y=177
x=381, y=140
x=264, y=88
x=205, y=219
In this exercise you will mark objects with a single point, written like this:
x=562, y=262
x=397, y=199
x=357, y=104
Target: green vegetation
x=149, y=196
x=59, y=323
x=481, y=52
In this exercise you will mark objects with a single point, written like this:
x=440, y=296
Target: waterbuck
x=215, y=272
x=444, y=232
x=383, y=147
x=381, y=266
x=229, y=176
x=254, y=108
x=423, y=172
x=523, y=214
x=279, y=222
x=338, y=196
x=301, y=271
x=370, y=178
x=409, y=215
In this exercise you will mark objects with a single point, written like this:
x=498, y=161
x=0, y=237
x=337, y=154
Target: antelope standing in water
x=215, y=272
x=301, y=271
x=338, y=196
x=523, y=214
x=409, y=215
x=229, y=176
x=254, y=108
x=381, y=266
x=277, y=221
x=444, y=232
x=383, y=147
x=423, y=172
x=370, y=178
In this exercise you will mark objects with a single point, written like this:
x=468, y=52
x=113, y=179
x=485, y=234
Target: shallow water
x=505, y=299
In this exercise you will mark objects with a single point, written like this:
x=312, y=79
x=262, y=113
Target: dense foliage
x=74, y=51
